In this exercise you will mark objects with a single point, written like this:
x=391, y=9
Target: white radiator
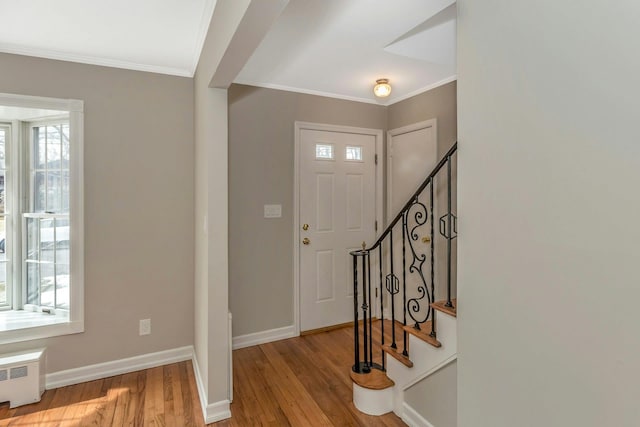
x=22, y=377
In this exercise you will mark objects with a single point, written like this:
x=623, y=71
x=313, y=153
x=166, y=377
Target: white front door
x=337, y=199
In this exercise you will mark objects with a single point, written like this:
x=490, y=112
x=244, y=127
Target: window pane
x=324, y=151
x=47, y=240
x=62, y=286
x=32, y=239
x=3, y=241
x=33, y=283
x=62, y=240
x=40, y=152
x=3, y=283
x=39, y=188
x=3, y=140
x=54, y=191
x=47, y=284
x=65, y=192
x=54, y=151
x=354, y=153
x=2, y=190
x=65, y=144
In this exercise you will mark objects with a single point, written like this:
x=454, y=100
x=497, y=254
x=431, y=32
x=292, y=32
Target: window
x=324, y=151
x=353, y=153
x=41, y=218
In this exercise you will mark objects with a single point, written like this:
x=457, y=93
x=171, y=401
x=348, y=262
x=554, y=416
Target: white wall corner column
x=236, y=29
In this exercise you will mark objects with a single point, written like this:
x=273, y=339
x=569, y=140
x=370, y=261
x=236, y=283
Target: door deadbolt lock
x=426, y=239
x=306, y=241
x=305, y=227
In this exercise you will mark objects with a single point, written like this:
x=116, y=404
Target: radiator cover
x=22, y=377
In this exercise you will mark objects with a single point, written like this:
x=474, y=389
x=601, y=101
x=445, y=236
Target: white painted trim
x=308, y=91
x=401, y=131
x=230, y=370
x=431, y=371
x=75, y=324
x=412, y=417
x=423, y=89
x=217, y=411
x=41, y=102
x=211, y=412
x=203, y=29
x=373, y=402
x=347, y=97
x=117, y=367
x=202, y=392
x=262, y=337
x=379, y=168
x=92, y=60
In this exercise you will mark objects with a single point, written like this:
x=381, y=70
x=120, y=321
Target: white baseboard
x=217, y=411
x=117, y=367
x=214, y=411
x=413, y=418
x=256, y=338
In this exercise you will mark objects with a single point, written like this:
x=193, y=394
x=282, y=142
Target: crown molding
x=92, y=60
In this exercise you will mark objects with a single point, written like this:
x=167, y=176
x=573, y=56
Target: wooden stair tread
x=440, y=306
x=396, y=353
x=374, y=380
x=423, y=333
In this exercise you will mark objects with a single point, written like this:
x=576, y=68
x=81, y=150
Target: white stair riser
x=373, y=402
x=425, y=357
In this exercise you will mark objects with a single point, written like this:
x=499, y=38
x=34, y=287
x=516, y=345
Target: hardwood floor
x=301, y=381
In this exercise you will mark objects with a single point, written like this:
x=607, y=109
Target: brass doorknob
x=306, y=241
x=305, y=227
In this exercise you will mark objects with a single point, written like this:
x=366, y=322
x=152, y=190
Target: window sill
x=16, y=326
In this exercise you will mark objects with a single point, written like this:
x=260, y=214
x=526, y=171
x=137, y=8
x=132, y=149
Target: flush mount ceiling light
x=382, y=88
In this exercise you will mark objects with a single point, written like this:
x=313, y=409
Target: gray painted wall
x=261, y=142
x=435, y=397
x=261, y=145
x=139, y=203
x=548, y=188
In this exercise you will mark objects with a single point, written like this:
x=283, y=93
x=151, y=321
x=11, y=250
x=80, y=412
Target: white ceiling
x=149, y=35
x=335, y=48
x=339, y=48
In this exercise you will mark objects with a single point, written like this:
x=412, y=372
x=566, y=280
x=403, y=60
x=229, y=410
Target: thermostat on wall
x=272, y=211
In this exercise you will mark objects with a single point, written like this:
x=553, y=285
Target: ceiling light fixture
x=382, y=88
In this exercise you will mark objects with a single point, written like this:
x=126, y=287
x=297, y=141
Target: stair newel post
x=356, y=331
x=381, y=302
x=404, y=282
x=450, y=237
x=365, y=309
x=433, y=264
x=370, y=308
x=391, y=289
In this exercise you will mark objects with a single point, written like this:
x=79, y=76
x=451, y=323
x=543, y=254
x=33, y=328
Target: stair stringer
x=426, y=359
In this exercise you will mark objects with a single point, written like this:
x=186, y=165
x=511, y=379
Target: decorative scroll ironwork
x=420, y=215
x=413, y=215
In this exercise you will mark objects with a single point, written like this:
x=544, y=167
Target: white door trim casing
x=299, y=126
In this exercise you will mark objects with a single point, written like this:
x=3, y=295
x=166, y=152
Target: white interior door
x=337, y=199
x=412, y=154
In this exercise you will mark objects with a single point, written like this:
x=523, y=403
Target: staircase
x=407, y=331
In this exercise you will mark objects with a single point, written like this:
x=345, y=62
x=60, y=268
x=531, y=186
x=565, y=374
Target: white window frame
x=73, y=321
x=9, y=141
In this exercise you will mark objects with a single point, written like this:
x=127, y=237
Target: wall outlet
x=145, y=327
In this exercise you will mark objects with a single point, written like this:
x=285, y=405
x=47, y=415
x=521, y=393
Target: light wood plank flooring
x=297, y=382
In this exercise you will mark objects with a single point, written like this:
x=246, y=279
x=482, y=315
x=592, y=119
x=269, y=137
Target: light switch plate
x=272, y=211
